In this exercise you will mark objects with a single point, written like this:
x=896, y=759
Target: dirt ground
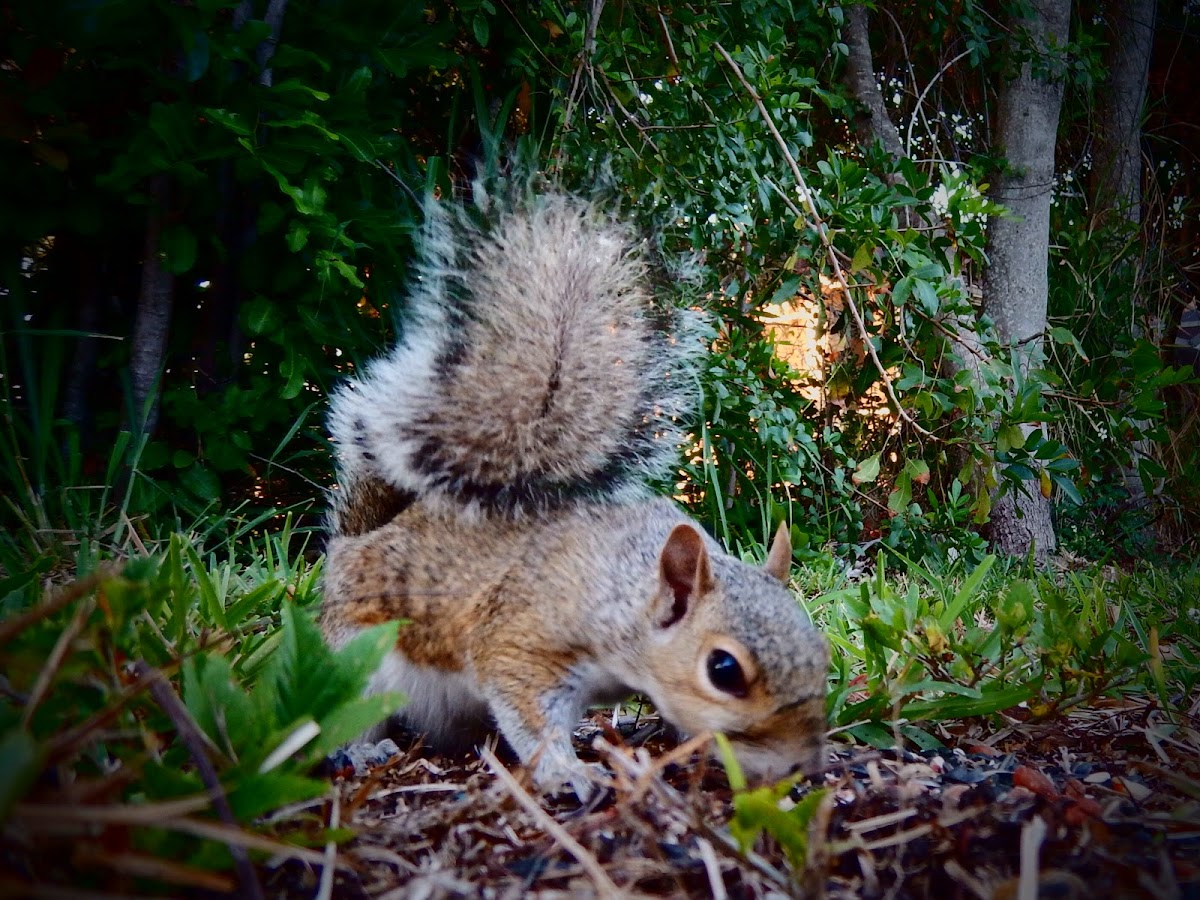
x=1104, y=803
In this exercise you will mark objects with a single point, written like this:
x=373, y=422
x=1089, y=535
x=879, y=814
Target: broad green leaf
x=1009, y=437
x=786, y=290
x=179, y=249
x=1062, y=335
x=351, y=719
x=864, y=256
x=874, y=735
x=231, y=120
x=867, y=470
x=292, y=368
x=255, y=794
x=261, y=316
x=917, y=470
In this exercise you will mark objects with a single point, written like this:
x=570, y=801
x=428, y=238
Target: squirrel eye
x=726, y=673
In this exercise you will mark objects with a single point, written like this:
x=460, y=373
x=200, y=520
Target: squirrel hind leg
x=364, y=504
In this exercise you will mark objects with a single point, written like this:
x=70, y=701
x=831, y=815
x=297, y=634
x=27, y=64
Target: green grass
x=179, y=690
x=918, y=648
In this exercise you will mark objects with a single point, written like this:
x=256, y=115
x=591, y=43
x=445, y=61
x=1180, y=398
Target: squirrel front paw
x=554, y=770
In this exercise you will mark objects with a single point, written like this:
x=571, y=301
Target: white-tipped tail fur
x=534, y=370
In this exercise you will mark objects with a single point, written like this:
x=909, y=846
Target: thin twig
x=142, y=814
x=1032, y=836
x=195, y=743
x=54, y=660
x=61, y=600
x=66, y=742
x=604, y=885
x=822, y=232
x=921, y=99
x=716, y=885
x=325, y=889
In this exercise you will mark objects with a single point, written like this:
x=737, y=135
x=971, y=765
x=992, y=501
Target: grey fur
x=534, y=371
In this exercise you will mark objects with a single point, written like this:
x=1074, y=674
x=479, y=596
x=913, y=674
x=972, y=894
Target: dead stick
x=55, y=659
x=67, y=742
x=604, y=885
x=189, y=733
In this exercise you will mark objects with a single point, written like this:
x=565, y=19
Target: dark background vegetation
x=208, y=207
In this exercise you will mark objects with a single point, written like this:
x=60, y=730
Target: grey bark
x=155, y=299
x=1116, y=177
x=872, y=120
x=1016, y=280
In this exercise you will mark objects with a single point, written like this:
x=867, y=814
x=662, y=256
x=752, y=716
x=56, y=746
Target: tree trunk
x=1116, y=177
x=157, y=294
x=872, y=120
x=1016, y=281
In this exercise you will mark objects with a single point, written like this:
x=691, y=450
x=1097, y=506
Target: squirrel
x=493, y=495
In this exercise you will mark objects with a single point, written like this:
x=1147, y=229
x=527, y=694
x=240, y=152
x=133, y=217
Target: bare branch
x=823, y=233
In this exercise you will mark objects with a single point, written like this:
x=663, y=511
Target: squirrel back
x=534, y=372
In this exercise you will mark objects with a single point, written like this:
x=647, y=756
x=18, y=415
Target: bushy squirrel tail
x=534, y=371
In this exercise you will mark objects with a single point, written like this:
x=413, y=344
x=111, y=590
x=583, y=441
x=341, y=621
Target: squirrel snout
x=790, y=740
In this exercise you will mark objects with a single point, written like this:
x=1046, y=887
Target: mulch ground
x=1103, y=803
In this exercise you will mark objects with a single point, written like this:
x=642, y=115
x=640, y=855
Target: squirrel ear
x=779, y=557
x=684, y=571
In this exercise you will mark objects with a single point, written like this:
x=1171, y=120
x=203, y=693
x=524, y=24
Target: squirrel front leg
x=536, y=701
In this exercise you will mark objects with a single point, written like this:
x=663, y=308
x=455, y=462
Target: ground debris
x=1094, y=803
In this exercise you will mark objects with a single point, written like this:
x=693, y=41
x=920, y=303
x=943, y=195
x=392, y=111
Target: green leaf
x=965, y=594
x=201, y=481
x=257, y=793
x=1068, y=487
x=901, y=495
x=946, y=708
x=482, y=29
x=1009, y=437
x=345, y=269
x=733, y=768
x=364, y=653
x=297, y=237
x=874, y=735
x=786, y=290
x=760, y=810
x=917, y=470
x=261, y=316
x=927, y=295
x=212, y=605
x=179, y=249
x=292, y=368
x=350, y=720
x=1062, y=335
x=923, y=739
x=1019, y=472
x=866, y=471
x=230, y=120
x=864, y=256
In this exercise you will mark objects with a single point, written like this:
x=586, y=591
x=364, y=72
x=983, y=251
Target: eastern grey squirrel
x=493, y=475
